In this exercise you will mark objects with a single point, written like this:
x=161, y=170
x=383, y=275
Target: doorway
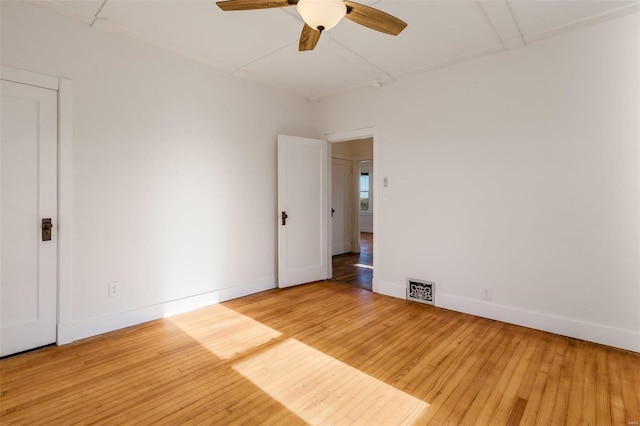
x=352, y=212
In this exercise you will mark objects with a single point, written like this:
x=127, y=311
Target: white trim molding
x=65, y=211
x=29, y=78
x=95, y=326
x=363, y=133
x=597, y=333
x=392, y=289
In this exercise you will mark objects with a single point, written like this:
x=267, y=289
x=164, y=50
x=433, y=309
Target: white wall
x=366, y=223
x=518, y=172
x=174, y=169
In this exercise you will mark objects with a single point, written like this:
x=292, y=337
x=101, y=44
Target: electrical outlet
x=114, y=289
x=486, y=293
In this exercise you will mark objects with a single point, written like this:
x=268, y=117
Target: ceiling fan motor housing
x=322, y=15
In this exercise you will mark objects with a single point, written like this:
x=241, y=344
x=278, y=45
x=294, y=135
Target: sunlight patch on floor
x=224, y=332
x=322, y=390
x=360, y=265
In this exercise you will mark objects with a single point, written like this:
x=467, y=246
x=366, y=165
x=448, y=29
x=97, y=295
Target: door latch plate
x=47, y=226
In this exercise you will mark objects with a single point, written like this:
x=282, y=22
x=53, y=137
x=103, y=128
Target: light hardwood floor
x=322, y=353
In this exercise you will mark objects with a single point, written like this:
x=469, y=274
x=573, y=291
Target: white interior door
x=28, y=191
x=303, y=210
x=341, y=184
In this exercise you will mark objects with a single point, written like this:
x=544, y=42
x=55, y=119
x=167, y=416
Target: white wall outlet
x=114, y=289
x=486, y=293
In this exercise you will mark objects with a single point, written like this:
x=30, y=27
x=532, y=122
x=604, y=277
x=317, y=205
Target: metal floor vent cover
x=421, y=291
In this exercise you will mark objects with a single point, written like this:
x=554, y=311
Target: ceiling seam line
x=476, y=54
x=493, y=27
x=513, y=18
x=564, y=28
x=95, y=17
x=388, y=74
x=253, y=61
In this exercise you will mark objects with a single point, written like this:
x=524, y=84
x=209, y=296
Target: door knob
x=284, y=218
x=47, y=226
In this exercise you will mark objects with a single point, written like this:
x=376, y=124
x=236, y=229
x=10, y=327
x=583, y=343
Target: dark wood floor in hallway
x=356, y=268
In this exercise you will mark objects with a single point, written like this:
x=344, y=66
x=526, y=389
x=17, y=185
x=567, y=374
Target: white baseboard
x=375, y=284
x=64, y=334
x=95, y=326
x=341, y=248
x=393, y=290
x=597, y=333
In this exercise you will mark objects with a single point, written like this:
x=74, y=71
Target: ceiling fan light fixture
x=322, y=15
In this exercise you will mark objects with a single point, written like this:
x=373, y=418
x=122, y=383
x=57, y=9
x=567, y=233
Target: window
x=366, y=181
x=364, y=191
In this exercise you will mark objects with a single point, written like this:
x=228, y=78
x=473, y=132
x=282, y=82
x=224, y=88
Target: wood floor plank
x=482, y=399
x=602, y=388
x=510, y=406
x=532, y=388
x=463, y=376
x=588, y=417
x=486, y=363
x=630, y=385
x=570, y=386
x=544, y=412
x=502, y=396
x=575, y=408
x=355, y=344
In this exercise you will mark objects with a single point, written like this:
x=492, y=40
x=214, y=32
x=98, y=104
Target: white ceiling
x=262, y=45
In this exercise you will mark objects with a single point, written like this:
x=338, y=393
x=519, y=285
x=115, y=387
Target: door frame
x=361, y=133
x=353, y=189
x=64, y=279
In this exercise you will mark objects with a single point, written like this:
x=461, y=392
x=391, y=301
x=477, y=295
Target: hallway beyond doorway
x=356, y=268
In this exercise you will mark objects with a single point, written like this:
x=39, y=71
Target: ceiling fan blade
x=229, y=5
x=309, y=38
x=374, y=18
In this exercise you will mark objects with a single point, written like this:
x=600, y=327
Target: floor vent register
x=421, y=291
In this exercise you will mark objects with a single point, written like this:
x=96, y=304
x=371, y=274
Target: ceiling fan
x=322, y=15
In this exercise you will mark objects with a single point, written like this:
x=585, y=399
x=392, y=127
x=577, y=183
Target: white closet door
x=28, y=191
